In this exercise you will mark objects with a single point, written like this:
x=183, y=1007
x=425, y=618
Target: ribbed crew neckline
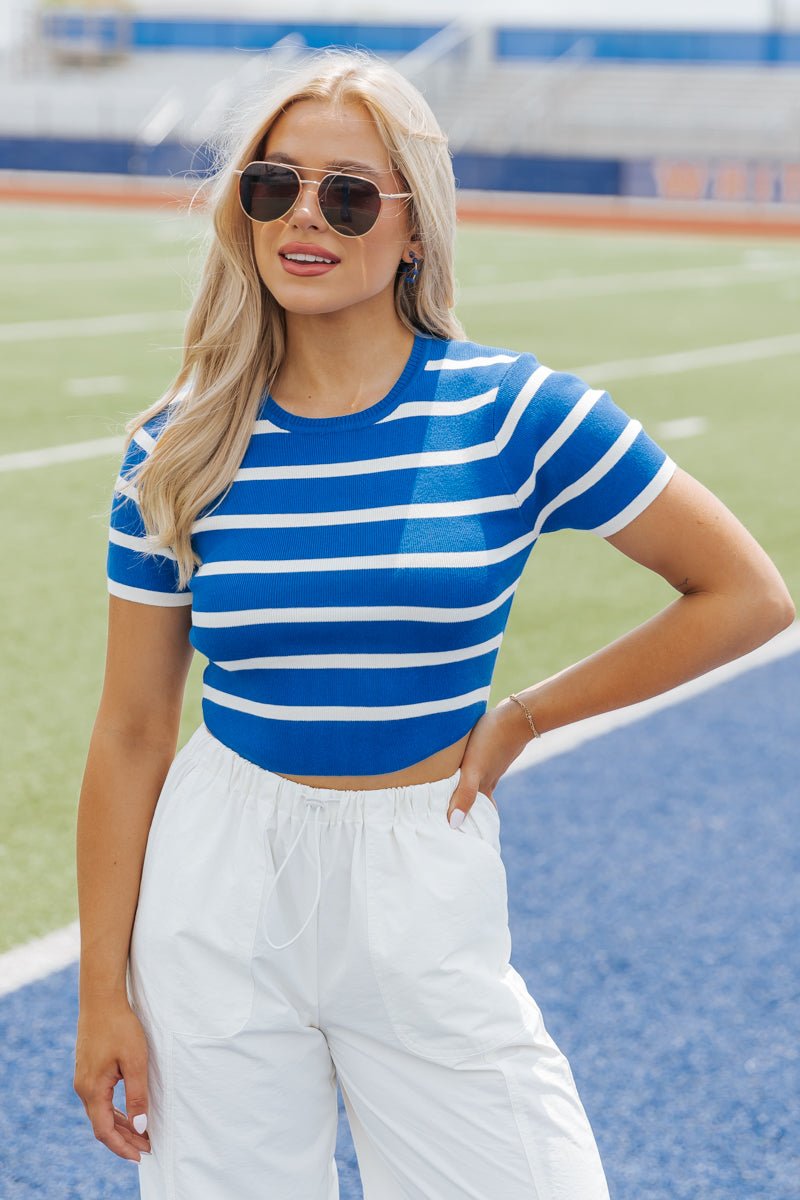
x=272, y=411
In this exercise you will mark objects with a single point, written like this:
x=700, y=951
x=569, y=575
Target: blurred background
x=675, y=101
x=629, y=209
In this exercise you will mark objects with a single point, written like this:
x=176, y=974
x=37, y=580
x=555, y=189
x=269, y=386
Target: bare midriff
x=440, y=765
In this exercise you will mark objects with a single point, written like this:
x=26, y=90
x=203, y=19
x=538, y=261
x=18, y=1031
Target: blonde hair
x=234, y=340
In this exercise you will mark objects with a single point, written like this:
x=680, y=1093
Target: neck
x=342, y=358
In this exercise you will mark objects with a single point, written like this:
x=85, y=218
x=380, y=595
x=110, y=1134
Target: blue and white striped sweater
x=354, y=590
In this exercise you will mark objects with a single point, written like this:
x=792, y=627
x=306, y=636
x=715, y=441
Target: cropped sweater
x=358, y=574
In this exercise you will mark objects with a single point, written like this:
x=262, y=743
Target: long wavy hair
x=234, y=339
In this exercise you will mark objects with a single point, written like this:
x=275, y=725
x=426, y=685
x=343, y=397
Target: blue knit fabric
x=357, y=576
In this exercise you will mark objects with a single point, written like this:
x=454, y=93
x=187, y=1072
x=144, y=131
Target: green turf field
x=69, y=384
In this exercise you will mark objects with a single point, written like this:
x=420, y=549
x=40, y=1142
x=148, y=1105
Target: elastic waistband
x=293, y=801
x=250, y=778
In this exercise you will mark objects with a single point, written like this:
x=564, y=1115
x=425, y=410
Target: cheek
x=381, y=253
x=263, y=251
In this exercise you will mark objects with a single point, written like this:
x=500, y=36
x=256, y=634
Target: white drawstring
x=311, y=801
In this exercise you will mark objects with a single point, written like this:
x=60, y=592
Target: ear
x=414, y=247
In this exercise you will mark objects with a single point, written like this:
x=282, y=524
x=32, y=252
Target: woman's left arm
x=732, y=600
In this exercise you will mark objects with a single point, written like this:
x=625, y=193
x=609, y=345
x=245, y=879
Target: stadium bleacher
x=152, y=102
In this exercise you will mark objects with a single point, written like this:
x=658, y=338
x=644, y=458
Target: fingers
x=461, y=801
x=134, y=1070
x=460, y=804
x=111, y=1046
x=113, y=1127
x=124, y=1125
x=102, y=1115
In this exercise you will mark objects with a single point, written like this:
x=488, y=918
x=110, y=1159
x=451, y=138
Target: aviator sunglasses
x=350, y=204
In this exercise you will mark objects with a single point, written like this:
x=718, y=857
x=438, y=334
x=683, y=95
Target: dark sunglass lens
x=267, y=192
x=350, y=205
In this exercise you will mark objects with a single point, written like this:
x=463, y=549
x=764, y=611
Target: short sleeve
x=572, y=457
x=134, y=571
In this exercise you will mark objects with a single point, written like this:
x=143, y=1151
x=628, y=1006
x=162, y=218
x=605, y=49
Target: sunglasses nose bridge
x=302, y=199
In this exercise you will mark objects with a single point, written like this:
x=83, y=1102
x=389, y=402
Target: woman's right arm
x=132, y=745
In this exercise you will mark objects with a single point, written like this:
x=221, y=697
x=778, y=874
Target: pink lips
x=306, y=268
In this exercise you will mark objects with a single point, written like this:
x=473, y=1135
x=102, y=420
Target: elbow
x=774, y=611
x=786, y=611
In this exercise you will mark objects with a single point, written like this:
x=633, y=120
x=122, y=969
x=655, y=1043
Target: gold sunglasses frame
x=266, y=162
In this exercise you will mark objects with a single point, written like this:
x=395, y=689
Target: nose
x=306, y=212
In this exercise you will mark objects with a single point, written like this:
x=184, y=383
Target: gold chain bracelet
x=536, y=733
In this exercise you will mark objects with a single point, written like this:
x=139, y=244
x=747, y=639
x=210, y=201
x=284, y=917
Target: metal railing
x=223, y=95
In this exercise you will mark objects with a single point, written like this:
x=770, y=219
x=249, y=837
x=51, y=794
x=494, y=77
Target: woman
x=334, y=503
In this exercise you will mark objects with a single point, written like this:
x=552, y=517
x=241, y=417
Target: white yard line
x=39, y=958
x=766, y=271
x=601, y=373
x=681, y=278
x=71, y=452
x=96, y=385
x=559, y=741
x=78, y=327
x=112, y=268
x=681, y=427
x=492, y=293
x=42, y=956
x=689, y=360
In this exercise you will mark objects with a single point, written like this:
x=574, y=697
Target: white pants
x=289, y=937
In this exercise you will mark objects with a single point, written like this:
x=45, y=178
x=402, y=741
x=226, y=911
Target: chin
x=311, y=307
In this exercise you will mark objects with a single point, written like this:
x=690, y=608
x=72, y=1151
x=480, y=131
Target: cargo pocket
x=437, y=910
x=197, y=918
x=484, y=819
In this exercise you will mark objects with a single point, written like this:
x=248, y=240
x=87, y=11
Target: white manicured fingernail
x=140, y=1122
x=456, y=817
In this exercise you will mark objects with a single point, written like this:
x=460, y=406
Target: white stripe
x=466, y=559
x=439, y=408
x=464, y=364
x=145, y=596
x=411, y=408
x=558, y=438
x=521, y=402
x=78, y=327
x=376, y=612
x=345, y=712
x=263, y=427
x=592, y=476
x=144, y=440
x=357, y=662
x=42, y=956
x=640, y=502
x=418, y=460
x=139, y=544
x=124, y=487
x=444, y=510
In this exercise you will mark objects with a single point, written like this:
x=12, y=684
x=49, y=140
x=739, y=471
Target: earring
x=412, y=269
